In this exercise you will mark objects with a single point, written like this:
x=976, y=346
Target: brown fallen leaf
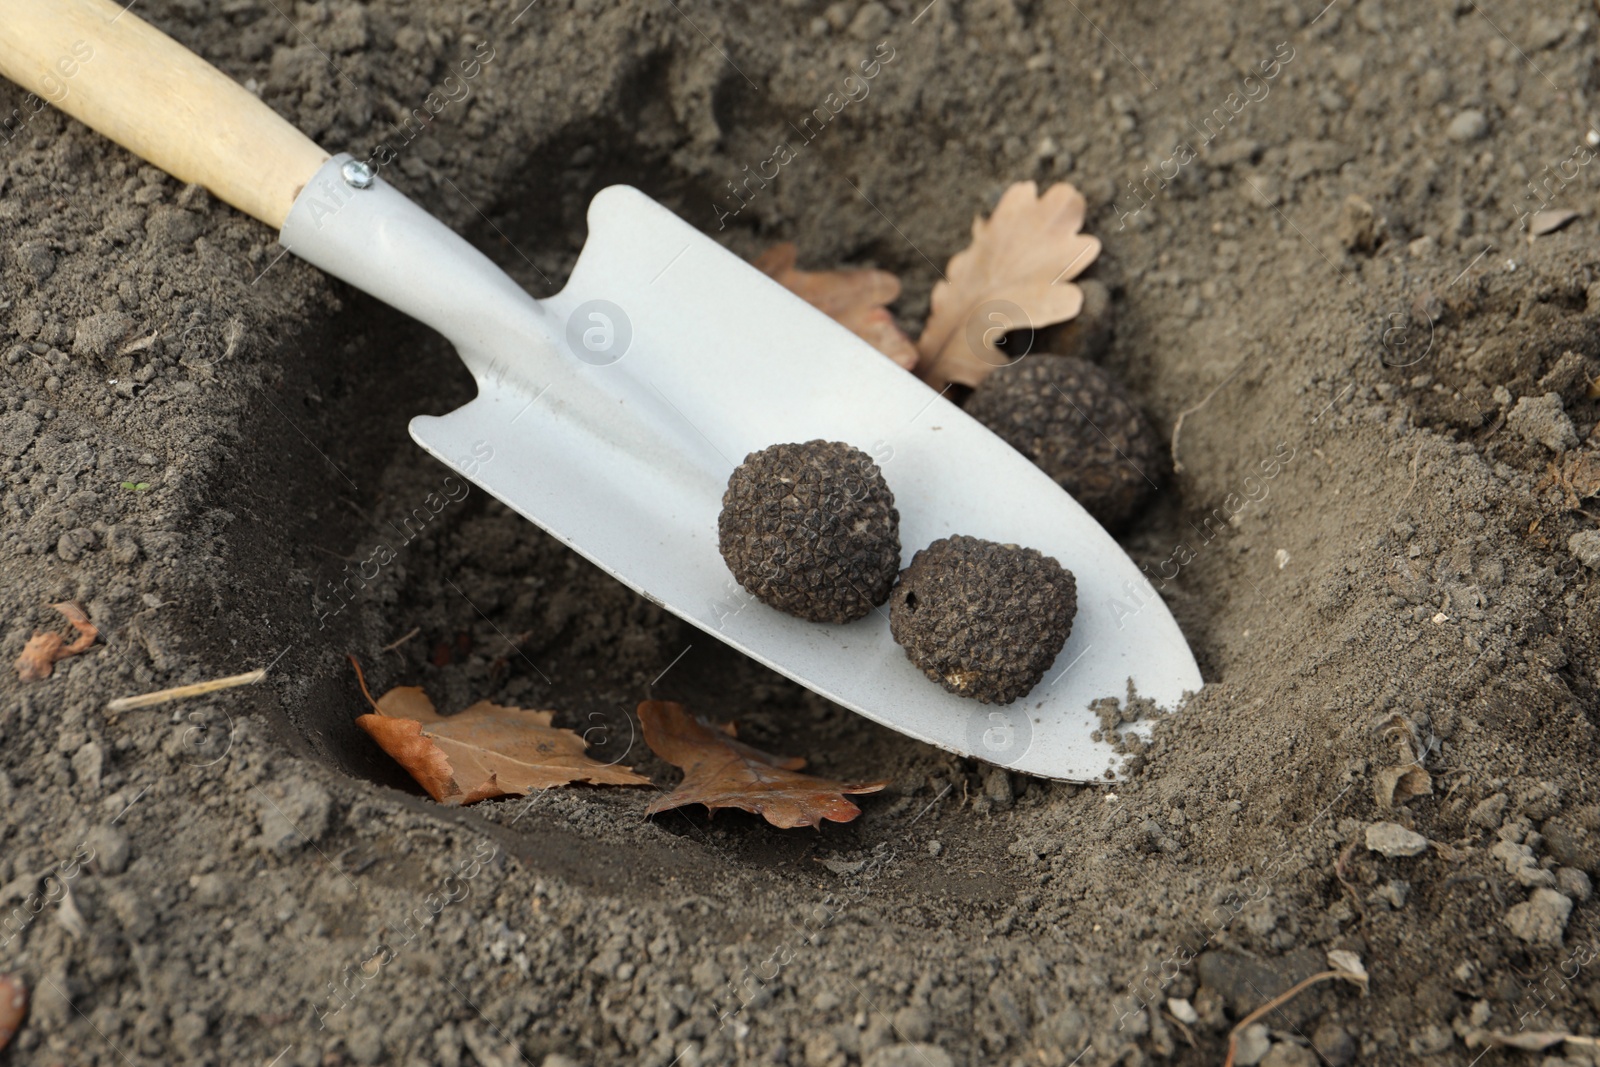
x=720, y=771
x=1017, y=273
x=486, y=751
x=13, y=1007
x=857, y=299
x=1579, y=477
x=1396, y=785
x=39, y=656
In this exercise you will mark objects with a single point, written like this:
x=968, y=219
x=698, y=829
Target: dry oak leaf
x=856, y=299
x=722, y=772
x=1016, y=274
x=485, y=751
x=39, y=655
x=1396, y=785
x=1578, y=477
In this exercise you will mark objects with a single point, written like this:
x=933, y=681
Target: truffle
x=1087, y=334
x=811, y=529
x=1080, y=427
x=982, y=619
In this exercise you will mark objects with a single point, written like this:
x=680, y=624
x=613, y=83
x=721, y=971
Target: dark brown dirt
x=1368, y=540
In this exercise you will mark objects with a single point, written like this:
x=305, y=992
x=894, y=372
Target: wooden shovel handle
x=119, y=75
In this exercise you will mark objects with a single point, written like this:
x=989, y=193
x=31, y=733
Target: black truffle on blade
x=1080, y=427
x=982, y=619
x=811, y=529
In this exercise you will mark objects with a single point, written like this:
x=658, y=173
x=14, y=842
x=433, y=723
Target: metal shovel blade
x=613, y=413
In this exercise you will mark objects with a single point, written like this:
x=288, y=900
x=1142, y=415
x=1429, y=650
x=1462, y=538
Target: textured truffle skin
x=982, y=619
x=1080, y=427
x=811, y=529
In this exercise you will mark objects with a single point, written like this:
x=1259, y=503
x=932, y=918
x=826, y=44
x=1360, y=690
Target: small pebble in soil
x=909, y=1055
x=112, y=850
x=292, y=815
x=1543, y=420
x=37, y=260
x=1334, y=1044
x=1585, y=546
x=1572, y=845
x=1488, y=812
x=211, y=890
x=1079, y=426
x=982, y=619
x=1574, y=883
x=811, y=529
x=1289, y=1054
x=1569, y=377
x=1358, y=225
x=1468, y=125
x=1541, y=919
x=1252, y=1045
x=1392, y=839
x=97, y=334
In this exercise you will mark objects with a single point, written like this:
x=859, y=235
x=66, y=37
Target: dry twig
x=391, y=646
x=183, y=692
x=1183, y=1028
x=1339, y=869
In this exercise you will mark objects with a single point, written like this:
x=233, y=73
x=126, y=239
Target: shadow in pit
x=481, y=604
x=322, y=432
x=329, y=471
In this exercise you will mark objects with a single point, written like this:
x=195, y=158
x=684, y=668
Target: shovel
x=612, y=413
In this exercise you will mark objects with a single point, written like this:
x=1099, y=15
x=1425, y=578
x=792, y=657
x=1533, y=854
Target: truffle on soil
x=811, y=529
x=1078, y=425
x=982, y=619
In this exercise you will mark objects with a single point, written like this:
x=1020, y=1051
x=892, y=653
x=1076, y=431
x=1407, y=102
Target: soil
x=1318, y=257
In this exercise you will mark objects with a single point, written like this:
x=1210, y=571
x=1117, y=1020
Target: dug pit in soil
x=1373, y=541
